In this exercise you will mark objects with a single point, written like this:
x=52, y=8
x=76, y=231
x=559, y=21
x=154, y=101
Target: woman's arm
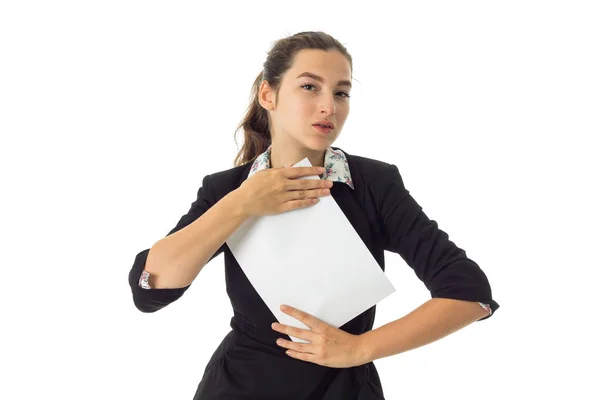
x=174, y=261
x=461, y=293
x=437, y=261
x=429, y=322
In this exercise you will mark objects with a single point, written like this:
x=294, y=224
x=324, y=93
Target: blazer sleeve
x=442, y=266
x=151, y=300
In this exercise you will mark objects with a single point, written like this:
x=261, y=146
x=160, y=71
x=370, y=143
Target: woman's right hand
x=276, y=190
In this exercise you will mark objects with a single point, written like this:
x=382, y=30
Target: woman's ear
x=266, y=96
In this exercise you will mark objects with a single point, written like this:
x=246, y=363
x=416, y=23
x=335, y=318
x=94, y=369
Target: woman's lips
x=321, y=129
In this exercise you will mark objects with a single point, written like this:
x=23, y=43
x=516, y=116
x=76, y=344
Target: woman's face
x=304, y=100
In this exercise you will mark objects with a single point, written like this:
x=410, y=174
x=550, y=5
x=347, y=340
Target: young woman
x=300, y=101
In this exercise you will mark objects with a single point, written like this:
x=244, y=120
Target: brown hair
x=257, y=135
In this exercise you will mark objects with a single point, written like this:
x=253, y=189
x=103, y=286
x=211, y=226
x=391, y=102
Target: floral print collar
x=336, y=165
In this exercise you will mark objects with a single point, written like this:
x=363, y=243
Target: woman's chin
x=317, y=146
x=318, y=143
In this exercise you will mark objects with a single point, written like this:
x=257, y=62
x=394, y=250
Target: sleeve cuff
x=143, y=282
x=487, y=308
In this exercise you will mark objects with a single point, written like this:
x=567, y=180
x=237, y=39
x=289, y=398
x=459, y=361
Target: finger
x=302, y=171
x=293, y=331
x=295, y=204
x=305, y=194
x=301, y=184
x=306, y=318
x=309, y=357
x=302, y=347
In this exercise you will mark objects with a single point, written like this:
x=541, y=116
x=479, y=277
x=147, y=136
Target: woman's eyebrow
x=319, y=79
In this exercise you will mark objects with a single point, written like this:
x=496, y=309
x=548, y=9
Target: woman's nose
x=328, y=105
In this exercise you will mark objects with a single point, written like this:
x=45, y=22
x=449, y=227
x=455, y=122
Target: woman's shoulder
x=221, y=182
x=231, y=174
x=371, y=169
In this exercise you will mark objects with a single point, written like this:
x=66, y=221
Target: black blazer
x=386, y=217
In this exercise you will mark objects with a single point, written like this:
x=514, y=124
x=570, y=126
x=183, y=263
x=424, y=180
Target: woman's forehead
x=327, y=65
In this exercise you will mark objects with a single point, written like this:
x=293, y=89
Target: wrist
x=363, y=349
x=236, y=204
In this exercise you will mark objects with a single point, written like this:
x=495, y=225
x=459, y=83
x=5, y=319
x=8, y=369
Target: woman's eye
x=346, y=95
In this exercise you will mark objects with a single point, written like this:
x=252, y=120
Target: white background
x=112, y=112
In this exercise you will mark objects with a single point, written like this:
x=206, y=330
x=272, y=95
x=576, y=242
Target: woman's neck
x=282, y=155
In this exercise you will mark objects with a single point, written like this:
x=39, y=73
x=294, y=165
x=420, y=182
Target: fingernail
x=321, y=169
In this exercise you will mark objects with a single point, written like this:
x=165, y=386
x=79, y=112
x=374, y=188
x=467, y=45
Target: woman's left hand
x=329, y=346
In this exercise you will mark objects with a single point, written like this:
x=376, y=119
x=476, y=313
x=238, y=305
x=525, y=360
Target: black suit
x=248, y=363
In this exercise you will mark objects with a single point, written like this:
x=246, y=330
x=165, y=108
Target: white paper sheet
x=311, y=259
